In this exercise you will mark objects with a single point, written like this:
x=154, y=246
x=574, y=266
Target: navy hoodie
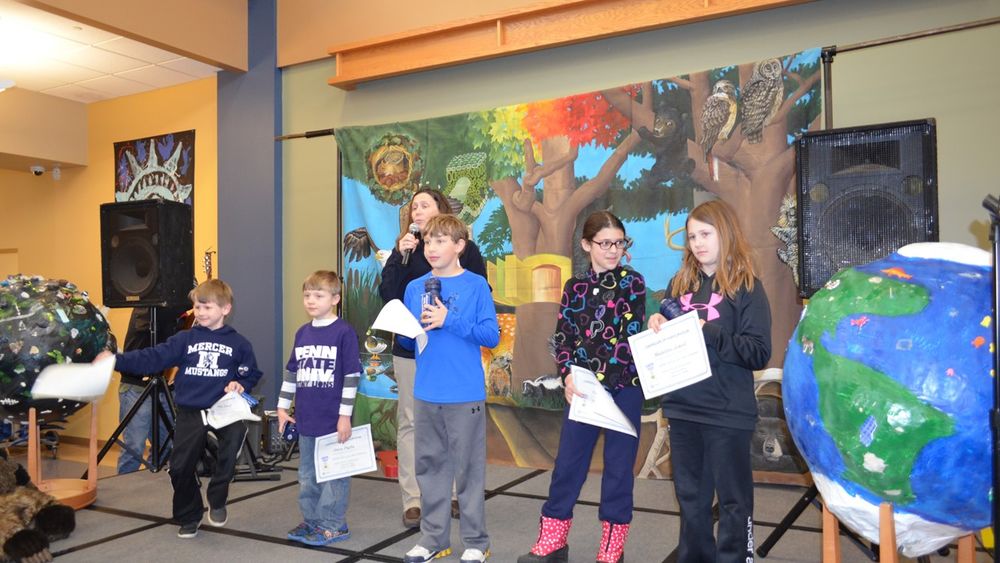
x=207, y=360
x=738, y=337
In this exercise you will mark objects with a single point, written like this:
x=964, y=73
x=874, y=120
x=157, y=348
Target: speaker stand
x=156, y=389
x=254, y=469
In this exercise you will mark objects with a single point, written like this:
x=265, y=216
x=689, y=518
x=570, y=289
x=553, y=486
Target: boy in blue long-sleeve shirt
x=450, y=394
x=212, y=360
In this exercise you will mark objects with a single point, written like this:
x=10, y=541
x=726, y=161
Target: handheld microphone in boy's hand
x=670, y=308
x=432, y=290
x=415, y=231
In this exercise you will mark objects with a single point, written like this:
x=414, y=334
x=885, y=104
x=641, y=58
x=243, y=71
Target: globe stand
x=888, y=553
x=75, y=493
x=992, y=204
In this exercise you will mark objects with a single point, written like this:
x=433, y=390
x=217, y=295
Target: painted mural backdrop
x=524, y=177
x=156, y=167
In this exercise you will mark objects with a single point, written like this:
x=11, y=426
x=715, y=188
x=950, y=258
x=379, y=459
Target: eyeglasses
x=624, y=244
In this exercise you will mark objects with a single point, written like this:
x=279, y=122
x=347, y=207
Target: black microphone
x=670, y=308
x=432, y=290
x=415, y=231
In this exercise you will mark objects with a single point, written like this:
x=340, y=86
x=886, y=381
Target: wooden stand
x=888, y=552
x=77, y=493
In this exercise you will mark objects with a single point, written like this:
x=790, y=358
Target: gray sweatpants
x=451, y=448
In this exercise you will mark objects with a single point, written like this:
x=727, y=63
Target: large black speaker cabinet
x=863, y=192
x=147, y=253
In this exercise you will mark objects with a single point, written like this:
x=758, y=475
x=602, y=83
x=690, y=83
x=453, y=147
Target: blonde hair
x=735, y=269
x=446, y=225
x=212, y=291
x=324, y=280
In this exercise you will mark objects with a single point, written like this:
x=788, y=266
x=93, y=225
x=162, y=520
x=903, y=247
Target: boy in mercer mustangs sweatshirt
x=212, y=360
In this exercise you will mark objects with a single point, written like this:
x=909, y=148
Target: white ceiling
x=46, y=53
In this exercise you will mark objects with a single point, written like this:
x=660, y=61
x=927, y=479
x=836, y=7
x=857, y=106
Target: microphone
x=432, y=290
x=415, y=231
x=670, y=308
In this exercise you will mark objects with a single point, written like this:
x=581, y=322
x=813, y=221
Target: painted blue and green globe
x=887, y=391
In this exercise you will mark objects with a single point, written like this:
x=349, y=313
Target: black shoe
x=560, y=555
x=189, y=530
x=218, y=517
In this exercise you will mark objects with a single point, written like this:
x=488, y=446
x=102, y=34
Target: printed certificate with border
x=355, y=456
x=672, y=358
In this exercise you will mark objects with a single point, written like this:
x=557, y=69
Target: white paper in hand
x=597, y=407
x=75, y=382
x=227, y=410
x=396, y=318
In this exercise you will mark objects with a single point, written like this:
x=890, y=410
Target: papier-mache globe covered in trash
x=887, y=390
x=42, y=322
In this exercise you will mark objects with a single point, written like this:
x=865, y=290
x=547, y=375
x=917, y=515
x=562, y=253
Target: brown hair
x=438, y=197
x=323, y=280
x=735, y=269
x=446, y=225
x=212, y=291
x=600, y=220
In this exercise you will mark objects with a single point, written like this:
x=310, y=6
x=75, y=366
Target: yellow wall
x=54, y=227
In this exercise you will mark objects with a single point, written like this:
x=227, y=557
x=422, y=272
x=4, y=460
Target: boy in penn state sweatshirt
x=212, y=360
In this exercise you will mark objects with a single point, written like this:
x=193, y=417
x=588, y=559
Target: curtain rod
x=307, y=134
x=829, y=53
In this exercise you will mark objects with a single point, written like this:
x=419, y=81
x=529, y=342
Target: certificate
x=355, y=456
x=395, y=317
x=672, y=358
x=596, y=407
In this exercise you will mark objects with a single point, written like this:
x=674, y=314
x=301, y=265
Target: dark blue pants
x=576, y=447
x=190, y=435
x=709, y=460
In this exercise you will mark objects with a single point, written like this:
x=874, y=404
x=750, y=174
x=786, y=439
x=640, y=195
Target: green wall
x=951, y=77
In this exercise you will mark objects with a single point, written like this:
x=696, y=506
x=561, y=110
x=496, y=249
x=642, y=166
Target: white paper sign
x=596, y=407
x=355, y=456
x=672, y=358
x=396, y=318
x=84, y=382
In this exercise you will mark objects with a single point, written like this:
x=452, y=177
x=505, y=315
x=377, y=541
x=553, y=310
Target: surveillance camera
x=37, y=170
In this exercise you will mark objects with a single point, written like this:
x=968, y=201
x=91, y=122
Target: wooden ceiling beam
x=548, y=24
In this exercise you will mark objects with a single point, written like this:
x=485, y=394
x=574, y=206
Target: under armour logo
x=208, y=359
x=475, y=409
x=711, y=314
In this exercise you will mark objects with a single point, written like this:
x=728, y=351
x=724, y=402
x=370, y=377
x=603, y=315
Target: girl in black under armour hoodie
x=712, y=421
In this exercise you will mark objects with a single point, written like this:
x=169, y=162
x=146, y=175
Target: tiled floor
x=130, y=520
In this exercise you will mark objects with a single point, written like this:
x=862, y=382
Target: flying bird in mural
x=358, y=244
x=718, y=115
x=762, y=96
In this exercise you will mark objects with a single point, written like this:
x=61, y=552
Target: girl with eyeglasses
x=600, y=309
x=712, y=421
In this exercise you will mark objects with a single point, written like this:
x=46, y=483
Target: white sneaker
x=420, y=554
x=475, y=556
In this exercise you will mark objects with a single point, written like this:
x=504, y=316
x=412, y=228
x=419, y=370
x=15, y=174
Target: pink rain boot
x=613, y=537
x=551, y=546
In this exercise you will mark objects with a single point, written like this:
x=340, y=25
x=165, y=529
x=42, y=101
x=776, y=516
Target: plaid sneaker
x=218, y=517
x=319, y=537
x=299, y=532
x=189, y=530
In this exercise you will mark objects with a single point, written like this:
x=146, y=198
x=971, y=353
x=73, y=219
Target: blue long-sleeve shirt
x=207, y=360
x=450, y=369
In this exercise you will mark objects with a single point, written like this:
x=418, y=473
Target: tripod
x=157, y=390
x=871, y=552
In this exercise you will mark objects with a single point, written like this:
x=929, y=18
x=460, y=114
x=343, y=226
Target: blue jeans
x=322, y=504
x=139, y=429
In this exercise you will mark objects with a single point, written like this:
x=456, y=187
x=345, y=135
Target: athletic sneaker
x=299, y=532
x=473, y=555
x=318, y=536
x=218, y=517
x=420, y=554
x=188, y=530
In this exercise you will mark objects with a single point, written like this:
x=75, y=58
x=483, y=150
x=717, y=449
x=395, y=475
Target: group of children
x=711, y=422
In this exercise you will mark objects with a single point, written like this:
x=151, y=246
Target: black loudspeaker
x=863, y=192
x=147, y=253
